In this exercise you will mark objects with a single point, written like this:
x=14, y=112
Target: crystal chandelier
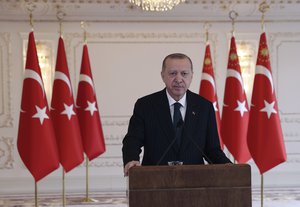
x=156, y=5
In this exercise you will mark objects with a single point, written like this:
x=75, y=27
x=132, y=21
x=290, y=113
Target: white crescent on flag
x=209, y=78
x=61, y=76
x=34, y=75
x=237, y=75
x=264, y=71
x=87, y=79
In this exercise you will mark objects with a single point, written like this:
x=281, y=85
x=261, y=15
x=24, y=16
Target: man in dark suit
x=174, y=124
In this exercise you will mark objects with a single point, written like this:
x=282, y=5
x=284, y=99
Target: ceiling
x=122, y=10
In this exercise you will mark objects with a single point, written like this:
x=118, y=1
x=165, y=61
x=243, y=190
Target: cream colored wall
x=126, y=60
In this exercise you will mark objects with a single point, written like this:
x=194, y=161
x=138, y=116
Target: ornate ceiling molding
x=122, y=10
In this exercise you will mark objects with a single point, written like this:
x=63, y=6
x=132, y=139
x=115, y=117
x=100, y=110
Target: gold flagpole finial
x=233, y=15
x=83, y=26
x=30, y=7
x=60, y=15
x=263, y=7
x=206, y=27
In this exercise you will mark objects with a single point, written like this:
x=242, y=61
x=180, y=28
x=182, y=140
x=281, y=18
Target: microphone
x=178, y=126
x=201, y=151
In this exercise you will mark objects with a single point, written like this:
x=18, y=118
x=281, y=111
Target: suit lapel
x=190, y=122
x=165, y=119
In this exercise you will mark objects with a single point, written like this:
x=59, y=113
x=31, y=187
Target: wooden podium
x=223, y=185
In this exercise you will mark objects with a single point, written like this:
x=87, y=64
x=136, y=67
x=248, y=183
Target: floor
x=101, y=199
x=277, y=198
x=272, y=198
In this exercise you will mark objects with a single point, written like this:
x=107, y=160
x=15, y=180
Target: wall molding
x=6, y=119
x=6, y=153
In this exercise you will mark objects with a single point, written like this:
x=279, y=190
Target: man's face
x=177, y=75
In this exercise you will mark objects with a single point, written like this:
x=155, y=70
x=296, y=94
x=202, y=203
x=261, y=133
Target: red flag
x=63, y=114
x=235, y=114
x=88, y=111
x=265, y=139
x=208, y=87
x=36, y=139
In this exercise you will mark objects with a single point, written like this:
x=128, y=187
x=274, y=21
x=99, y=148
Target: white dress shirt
x=182, y=101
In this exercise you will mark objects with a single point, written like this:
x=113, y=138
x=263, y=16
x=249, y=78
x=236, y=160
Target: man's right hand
x=130, y=165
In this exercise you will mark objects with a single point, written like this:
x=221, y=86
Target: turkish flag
x=63, y=113
x=88, y=111
x=235, y=113
x=36, y=139
x=265, y=138
x=208, y=87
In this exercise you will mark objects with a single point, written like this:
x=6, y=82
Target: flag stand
x=35, y=195
x=63, y=188
x=30, y=7
x=262, y=190
x=87, y=199
x=85, y=66
x=263, y=7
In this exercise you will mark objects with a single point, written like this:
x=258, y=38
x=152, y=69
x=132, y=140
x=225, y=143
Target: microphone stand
x=201, y=151
x=166, y=151
x=179, y=124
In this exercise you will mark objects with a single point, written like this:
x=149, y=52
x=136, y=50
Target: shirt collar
x=182, y=101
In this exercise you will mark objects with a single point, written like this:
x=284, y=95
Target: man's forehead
x=178, y=68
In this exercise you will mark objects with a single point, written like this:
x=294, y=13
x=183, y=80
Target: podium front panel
x=190, y=185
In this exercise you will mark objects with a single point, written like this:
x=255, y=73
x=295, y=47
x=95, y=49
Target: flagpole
x=87, y=199
x=63, y=188
x=233, y=15
x=261, y=190
x=83, y=26
x=206, y=28
x=60, y=15
x=86, y=179
x=30, y=7
x=35, y=194
x=263, y=7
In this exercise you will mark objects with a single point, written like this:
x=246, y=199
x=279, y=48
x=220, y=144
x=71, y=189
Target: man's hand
x=130, y=165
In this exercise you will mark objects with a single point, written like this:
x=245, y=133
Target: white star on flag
x=91, y=107
x=68, y=111
x=215, y=106
x=241, y=107
x=40, y=114
x=269, y=108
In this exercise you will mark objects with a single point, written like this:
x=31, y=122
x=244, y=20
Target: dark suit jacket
x=151, y=127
